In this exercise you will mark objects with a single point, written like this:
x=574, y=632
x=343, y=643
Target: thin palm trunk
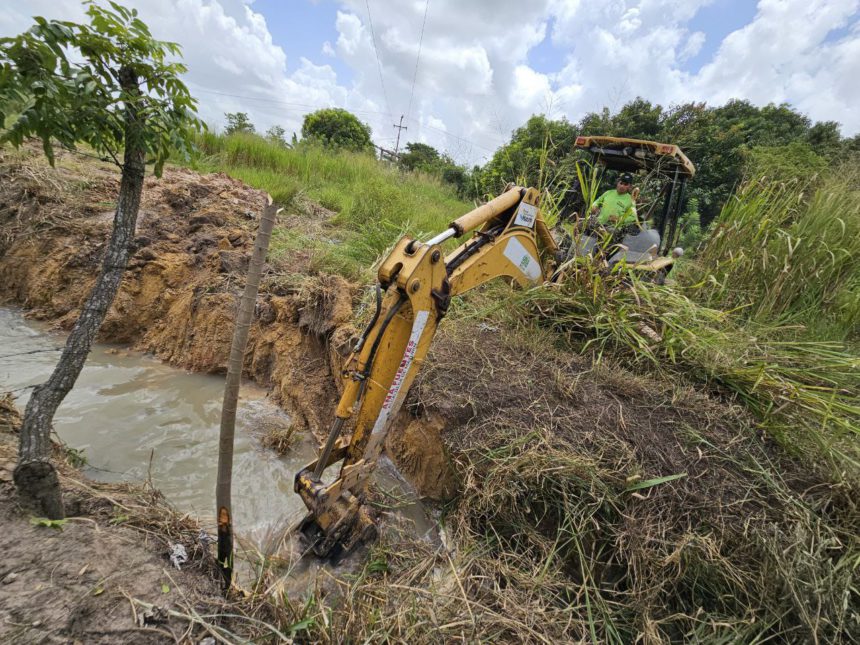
x=35, y=475
x=223, y=487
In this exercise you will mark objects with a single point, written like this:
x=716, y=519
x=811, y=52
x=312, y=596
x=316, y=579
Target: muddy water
x=134, y=417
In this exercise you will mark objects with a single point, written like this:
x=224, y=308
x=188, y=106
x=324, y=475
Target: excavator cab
x=663, y=169
x=415, y=283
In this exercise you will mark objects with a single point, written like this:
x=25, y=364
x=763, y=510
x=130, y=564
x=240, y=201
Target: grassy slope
x=787, y=579
x=375, y=204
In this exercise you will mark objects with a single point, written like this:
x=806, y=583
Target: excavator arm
x=415, y=286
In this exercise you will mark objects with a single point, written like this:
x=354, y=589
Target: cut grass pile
x=597, y=506
x=375, y=204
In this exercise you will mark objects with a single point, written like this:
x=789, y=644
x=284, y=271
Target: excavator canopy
x=630, y=155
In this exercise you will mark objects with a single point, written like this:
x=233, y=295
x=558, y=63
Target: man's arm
x=598, y=203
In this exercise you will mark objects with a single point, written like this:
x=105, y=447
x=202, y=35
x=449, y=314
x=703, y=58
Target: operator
x=615, y=208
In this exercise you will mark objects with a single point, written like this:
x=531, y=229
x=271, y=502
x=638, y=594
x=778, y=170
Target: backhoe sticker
x=391, y=399
x=522, y=259
x=526, y=215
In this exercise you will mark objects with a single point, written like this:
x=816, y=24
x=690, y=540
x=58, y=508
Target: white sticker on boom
x=391, y=399
x=526, y=215
x=522, y=259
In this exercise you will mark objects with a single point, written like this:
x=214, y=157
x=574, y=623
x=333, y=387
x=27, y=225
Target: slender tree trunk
x=35, y=476
x=223, y=502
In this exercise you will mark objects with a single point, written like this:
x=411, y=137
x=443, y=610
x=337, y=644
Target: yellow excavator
x=416, y=282
x=415, y=285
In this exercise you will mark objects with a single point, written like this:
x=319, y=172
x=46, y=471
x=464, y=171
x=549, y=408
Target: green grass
x=375, y=204
x=788, y=253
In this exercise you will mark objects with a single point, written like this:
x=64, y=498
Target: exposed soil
x=96, y=578
x=177, y=300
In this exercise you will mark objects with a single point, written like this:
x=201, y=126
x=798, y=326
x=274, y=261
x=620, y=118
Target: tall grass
x=555, y=542
x=375, y=204
x=788, y=253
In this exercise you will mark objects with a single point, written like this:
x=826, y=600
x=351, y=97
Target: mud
x=93, y=579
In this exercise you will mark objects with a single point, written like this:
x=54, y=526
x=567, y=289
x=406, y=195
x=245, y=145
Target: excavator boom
x=415, y=286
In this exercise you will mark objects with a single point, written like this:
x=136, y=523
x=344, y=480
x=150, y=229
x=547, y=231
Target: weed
x=787, y=253
x=51, y=524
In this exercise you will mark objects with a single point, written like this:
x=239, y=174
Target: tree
x=796, y=160
x=238, y=122
x=244, y=317
x=108, y=85
x=825, y=139
x=533, y=156
x=277, y=134
x=638, y=119
x=337, y=128
x=420, y=156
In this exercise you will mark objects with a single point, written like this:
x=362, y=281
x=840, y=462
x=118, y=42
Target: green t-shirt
x=613, y=203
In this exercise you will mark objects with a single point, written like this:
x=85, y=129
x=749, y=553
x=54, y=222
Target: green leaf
x=648, y=483
x=165, y=588
x=44, y=521
x=301, y=626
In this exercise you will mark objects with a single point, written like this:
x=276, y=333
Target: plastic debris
x=204, y=538
x=178, y=555
x=154, y=616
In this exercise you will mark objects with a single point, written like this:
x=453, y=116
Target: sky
x=465, y=73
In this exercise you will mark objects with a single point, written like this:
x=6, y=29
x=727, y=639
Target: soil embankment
x=177, y=300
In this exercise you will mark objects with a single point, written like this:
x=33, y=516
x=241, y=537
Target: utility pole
x=399, y=128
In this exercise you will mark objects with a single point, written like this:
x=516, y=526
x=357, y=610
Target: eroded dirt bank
x=177, y=300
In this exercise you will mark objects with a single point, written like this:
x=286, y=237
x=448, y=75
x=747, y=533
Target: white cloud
x=529, y=88
x=782, y=56
x=475, y=82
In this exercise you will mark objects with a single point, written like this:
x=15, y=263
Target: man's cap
x=625, y=178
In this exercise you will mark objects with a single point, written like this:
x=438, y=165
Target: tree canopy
x=724, y=142
x=72, y=83
x=238, y=122
x=337, y=128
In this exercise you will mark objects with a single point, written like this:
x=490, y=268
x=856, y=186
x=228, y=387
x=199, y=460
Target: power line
x=417, y=58
x=455, y=136
x=378, y=62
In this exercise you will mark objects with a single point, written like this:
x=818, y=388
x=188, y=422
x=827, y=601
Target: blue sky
x=300, y=27
x=717, y=21
x=487, y=65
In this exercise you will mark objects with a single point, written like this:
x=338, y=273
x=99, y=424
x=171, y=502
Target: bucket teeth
x=348, y=533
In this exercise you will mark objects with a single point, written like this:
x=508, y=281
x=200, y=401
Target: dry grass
x=596, y=505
